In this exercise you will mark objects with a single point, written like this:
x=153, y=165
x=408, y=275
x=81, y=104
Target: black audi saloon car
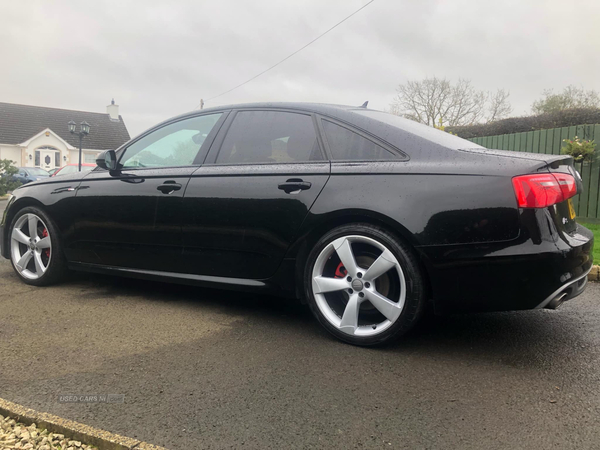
x=367, y=217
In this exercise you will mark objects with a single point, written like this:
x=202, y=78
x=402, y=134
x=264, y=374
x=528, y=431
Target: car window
x=72, y=169
x=68, y=169
x=176, y=144
x=270, y=137
x=38, y=172
x=346, y=145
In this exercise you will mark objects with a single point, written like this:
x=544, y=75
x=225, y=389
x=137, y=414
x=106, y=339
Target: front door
x=47, y=158
x=132, y=218
x=244, y=207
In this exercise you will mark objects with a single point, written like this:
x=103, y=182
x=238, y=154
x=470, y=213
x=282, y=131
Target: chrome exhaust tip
x=556, y=301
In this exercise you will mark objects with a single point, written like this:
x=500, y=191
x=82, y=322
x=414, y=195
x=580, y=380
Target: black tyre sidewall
x=415, y=293
x=57, y=265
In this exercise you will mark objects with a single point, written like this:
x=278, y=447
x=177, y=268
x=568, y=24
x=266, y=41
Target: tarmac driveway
x=210, y=369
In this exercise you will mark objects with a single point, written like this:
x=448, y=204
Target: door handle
x=169, y=187
x=294, y=186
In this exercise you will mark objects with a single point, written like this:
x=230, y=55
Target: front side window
x=259, y=137
x=173, y=145
x=346, y=145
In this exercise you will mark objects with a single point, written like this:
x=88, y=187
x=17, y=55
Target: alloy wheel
x=358, y=285
x=31, y=247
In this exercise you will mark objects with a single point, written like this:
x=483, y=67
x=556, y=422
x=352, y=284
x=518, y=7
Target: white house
x=36, y=136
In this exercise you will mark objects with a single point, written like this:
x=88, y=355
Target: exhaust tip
x=556, y=301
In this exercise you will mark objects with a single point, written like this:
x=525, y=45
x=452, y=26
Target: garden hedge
x=565, y=118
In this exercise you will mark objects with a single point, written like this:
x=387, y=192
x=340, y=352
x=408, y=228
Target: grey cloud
x=159, y=58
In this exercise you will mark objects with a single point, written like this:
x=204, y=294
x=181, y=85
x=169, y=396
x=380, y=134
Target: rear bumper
x=516, y=275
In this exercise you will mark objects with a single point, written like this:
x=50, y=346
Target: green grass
x=595, y=228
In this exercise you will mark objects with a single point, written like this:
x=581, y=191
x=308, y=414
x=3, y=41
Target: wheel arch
x=315, y=228
x=12, y=211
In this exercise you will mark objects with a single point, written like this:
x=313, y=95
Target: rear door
x=244, y=206
x=133, y=218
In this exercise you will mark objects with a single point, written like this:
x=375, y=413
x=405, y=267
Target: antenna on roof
x=364, y=105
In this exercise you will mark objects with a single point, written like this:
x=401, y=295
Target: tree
x=570, y=97
x=436, y=101
x=7, y=182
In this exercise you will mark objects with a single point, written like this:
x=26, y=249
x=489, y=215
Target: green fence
x=550, y=142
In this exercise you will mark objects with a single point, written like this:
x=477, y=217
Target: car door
x=244, y=206
x=132, y=218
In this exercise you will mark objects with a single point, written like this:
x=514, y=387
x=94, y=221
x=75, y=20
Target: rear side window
x=257, y=137
x=346, y=145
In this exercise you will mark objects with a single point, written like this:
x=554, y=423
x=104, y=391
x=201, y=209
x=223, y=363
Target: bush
x=579, y=149
x=7, y=171
x=565, y=118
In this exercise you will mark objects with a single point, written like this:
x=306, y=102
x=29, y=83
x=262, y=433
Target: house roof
x=18, y=123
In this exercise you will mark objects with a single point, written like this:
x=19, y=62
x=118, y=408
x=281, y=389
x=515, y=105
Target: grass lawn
x=595, y=227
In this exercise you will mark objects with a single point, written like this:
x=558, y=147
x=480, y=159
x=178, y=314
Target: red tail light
x=542, y=190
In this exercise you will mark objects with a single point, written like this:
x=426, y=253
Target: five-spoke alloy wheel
x=365, y=285
x=31, y=248
x=34, y=248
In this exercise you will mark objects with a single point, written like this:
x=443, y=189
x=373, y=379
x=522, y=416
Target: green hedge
x=566, y=118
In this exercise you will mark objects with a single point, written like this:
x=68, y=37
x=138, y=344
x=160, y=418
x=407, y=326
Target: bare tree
x=436, y=101
x=499, y=106
x=570, y=97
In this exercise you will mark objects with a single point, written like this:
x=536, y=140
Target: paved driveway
x=207, y=369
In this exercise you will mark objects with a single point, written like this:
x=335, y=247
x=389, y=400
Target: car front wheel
x=364, y=285
x=35, y=248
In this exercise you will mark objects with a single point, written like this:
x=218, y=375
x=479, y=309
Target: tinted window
x=270, y=137
x=346, y=145
x=176, y=144
x=419, y=129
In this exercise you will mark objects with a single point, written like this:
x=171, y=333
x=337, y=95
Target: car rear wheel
x=35, y=249
x=364, y=285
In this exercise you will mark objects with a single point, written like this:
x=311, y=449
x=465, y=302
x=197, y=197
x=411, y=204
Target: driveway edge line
x=104, y=440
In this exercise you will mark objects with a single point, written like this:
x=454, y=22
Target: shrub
x=7, y=171
x=579, y=149
x=565, y=118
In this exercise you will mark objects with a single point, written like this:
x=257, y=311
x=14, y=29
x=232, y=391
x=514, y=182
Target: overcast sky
x=158, y=58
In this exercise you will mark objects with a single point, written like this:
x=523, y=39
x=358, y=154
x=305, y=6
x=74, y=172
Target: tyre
x=364, y=285
x=35, y=249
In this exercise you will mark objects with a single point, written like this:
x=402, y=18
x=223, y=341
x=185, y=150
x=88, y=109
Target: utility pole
x=201, y=103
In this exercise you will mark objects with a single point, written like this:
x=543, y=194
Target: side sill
x=222, y=282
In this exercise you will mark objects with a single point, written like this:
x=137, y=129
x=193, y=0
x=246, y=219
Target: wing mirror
x=107, y=160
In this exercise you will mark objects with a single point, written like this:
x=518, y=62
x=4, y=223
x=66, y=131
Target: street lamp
x=84, y=130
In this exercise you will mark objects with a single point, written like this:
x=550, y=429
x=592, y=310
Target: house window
x=37, y=158
x=89, y=158
x=57, y=159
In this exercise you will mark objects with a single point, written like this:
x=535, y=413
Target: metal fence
x=550, y=142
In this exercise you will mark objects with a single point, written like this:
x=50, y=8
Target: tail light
x=542, y=190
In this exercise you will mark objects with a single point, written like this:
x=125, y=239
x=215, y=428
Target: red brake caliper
x=340, y=271
x=45, y=234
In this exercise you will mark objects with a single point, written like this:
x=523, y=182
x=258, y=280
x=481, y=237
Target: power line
x=287, y=57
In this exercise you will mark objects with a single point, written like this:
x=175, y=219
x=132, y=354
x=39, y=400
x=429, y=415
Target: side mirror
x=107, y=160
